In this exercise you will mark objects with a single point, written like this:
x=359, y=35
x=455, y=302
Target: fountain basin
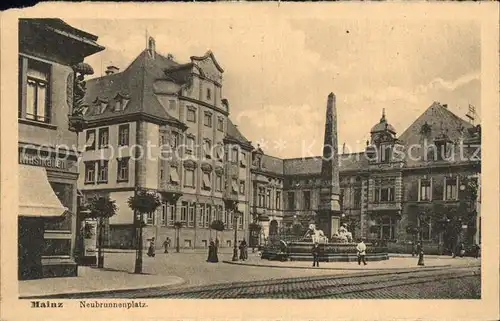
x=330, y=252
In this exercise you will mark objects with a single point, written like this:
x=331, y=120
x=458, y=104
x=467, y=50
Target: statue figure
x=81, y=69
x=343, y=235
x=316, y=235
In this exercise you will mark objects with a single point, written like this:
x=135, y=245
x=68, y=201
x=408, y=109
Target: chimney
x=445, y=106
x=112, y=70
x=170, y=56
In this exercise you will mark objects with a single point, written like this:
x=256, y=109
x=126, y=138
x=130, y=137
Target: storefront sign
x=43, y=161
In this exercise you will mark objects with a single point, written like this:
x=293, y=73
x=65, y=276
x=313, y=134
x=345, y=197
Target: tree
x=218, y=226
x=178, y=225
x=100, y=208
x=143, y=202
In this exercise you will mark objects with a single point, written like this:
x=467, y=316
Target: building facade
x=416, y=180
x=48, y=171
x=164, y=126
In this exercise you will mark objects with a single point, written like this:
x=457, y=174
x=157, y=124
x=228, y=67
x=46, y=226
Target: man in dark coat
x=212, y=253
x=316, y=252
x=151, y=248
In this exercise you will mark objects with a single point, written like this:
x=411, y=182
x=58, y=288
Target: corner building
x=192, y=154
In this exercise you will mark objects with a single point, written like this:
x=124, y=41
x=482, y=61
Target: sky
x=279, y=71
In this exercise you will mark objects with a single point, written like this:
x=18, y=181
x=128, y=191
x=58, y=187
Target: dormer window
x=120, y=102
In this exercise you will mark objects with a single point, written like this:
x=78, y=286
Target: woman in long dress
x=151, y=248
x=212, y=253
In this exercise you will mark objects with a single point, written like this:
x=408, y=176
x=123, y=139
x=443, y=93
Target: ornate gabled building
x=164, y=126
x=397, y=184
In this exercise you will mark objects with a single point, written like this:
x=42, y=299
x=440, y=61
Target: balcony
x=170, y=188
x=384, y=206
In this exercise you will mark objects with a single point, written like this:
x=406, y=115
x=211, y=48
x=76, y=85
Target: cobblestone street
x=396, y=278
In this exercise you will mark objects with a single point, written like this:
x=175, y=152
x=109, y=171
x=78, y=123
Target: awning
x=36, y=196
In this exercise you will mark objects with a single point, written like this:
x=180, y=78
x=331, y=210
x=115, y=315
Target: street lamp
x=236, y=215
x=138, y=252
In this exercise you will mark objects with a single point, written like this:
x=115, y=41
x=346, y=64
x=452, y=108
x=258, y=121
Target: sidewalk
x=394, y=263
x=93, y=280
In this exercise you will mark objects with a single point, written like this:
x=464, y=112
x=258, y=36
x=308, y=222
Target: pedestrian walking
x=243, y=250
x=420, y=254
x=151, y=247
x=315, y=252
x=166, y=244
x=361, y=248
x=212, y=253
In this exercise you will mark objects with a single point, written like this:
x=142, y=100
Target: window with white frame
x=34, y=104
x=190, y=144
x=189, y=177
x=220, y=124
x=102, y=173
x=171, y=214
x=234, y=155
x=163, y=213
x=425, y=190
x=208, y=214
x=218, y=182
x=207, y=119
x=451, y=188
x=278, y=200
x=184, y=208
x=191, y=114
x=191, y=215
x=174, y=175
x=90, y=139
x=123, y=135
x=122, y=169
x=240, y=222
x=90, y=172
x=103, y=137
x=201, y=215
x=268, y=198
x=207, y=180
x=150, y=218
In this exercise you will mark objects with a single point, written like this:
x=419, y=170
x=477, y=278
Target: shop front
x=47, y=203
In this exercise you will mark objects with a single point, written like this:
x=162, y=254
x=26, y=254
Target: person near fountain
x=212, y=253
x=316, y=252
x=361, y=248
x=420, y=251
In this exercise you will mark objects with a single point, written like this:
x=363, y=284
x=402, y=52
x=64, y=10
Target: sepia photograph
x=266, y=156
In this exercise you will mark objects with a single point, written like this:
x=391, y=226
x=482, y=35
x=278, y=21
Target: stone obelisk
x=329, y=208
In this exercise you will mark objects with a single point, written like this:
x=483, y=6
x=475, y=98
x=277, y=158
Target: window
x=102, y=107
x=234, y=186
x=190, y=144
x=90, y=172
x=171, y=213
x=387, y=228
x=278, y=200
x=123, y=135
x=189, y=177
x=357, y=198
x=102, y=174
x=90, y=140
x=425, y=190
x=174, y=175
x=35, y=81
x=207, y=184
x=218, y=183
x=150, y=219
x=201, y=215
x=242, y=187
x=234, y=155
x=191, y=114
x=207, y=148
x=209, y=93
x=208, y=215
x=291, y=200
x=307, y=200
x=240, y=222
x=220, y=124
x=207, y=120
x=174, y=140
x=164, y=213
x=103, y=137
x=122, y=169
x=387, y=194
x=385, y=153
x=243, y=159
x=451, y=188
x=268, y=198
x=184, y=212
x=191, y=215
x=261, y=194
